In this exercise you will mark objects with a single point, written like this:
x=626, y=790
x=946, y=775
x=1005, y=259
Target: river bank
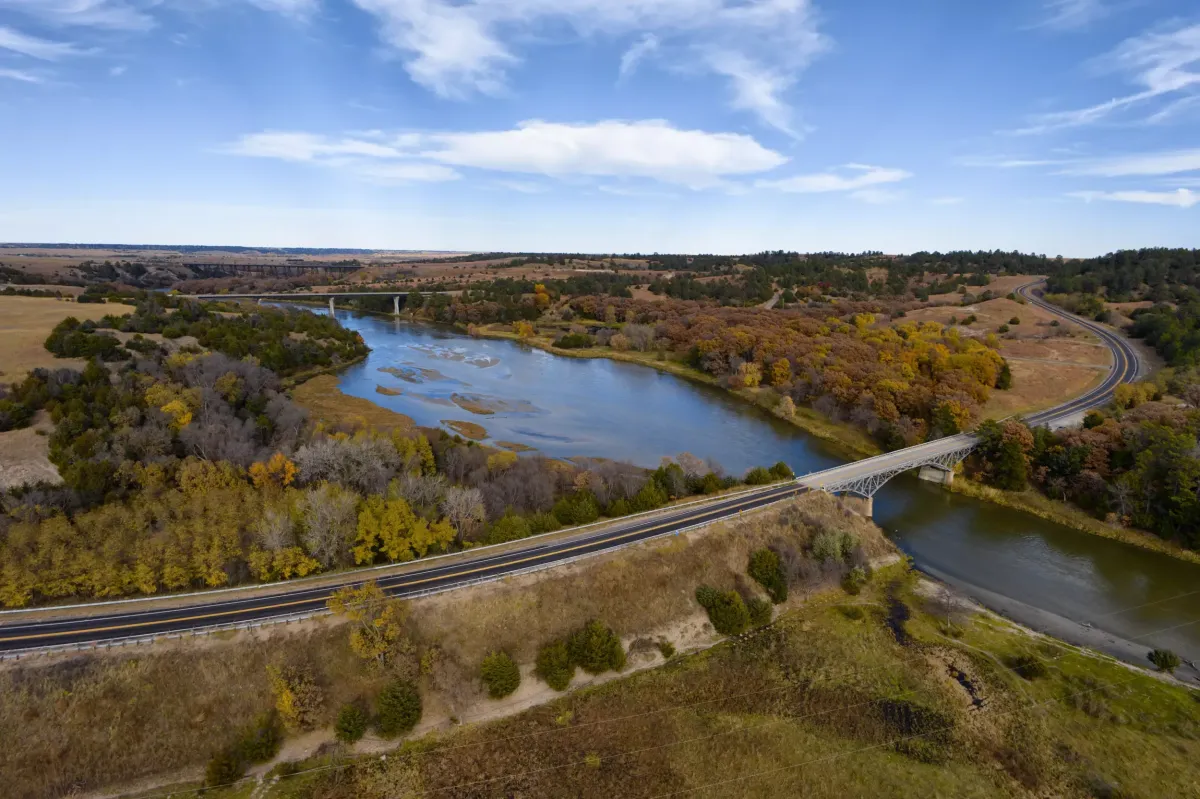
x=852, y=440
x=1037, y=504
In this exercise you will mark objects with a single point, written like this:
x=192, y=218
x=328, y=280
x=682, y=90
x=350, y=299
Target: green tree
x=352, y=723
x=555, y=666
x=596, y=649
x=1164, y=660
x=726, y=609
x=500, y=674
x=398, y=708
x=767, y=571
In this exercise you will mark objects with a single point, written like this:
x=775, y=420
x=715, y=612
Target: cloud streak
x=43, y=49
x=858, y=178
x=1180, y=198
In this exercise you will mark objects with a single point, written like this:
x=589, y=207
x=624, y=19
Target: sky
x=1065, y=127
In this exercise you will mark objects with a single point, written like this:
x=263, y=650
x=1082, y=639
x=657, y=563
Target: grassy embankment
x=1042, y=506
x=826, y=702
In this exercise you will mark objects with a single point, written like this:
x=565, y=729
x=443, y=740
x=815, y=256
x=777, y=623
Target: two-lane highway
x=125, y=620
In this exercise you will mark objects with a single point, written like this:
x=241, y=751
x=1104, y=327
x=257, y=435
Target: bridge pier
x=331, y=306
x=863, y=506
x=396, y=305
x=934, y=474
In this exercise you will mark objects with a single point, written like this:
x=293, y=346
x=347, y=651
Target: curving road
x=40, y=630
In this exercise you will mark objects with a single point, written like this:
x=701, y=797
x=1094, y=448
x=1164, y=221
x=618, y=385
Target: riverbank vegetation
x=895, y=685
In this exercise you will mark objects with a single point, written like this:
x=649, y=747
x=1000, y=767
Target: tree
x=523, y=329
x=398, y=708
x=388, y=527
x=1164, y=660
x=278, y=471
x=379, y=622
x=297, y=697
x=726, y=609
x=330, y=519
x=464, y=509
x=352, y=723
x=555, y=666
x=500, y=674
x=767, y=571
x=1004, y=379
x=596, y=649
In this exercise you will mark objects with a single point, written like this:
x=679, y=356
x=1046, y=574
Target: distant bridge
x=319, y=296
x=937, y=459
x=212, y=268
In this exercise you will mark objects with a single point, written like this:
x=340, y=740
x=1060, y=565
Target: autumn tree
x=388, y=527
x=278, y=472
x=379, y=622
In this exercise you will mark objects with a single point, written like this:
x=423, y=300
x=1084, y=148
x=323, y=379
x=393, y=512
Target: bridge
x=319, y=296
x=212, y=268
x=937, y=459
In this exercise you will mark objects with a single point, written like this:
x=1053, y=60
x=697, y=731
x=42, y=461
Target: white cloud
x=1072, y=14
x=1180, y=198
x=458, y=48
x=108, y=14
x=1162, y=62
x=1170, y=162
x=20, y=75
x=522, y=186
x=292, y=8
x=877, y=196
x=401, y=171
x=648, y=149
x=638, y=52
x=852, y=177
x=118, y=70
x=948, y=200
x=34, y=47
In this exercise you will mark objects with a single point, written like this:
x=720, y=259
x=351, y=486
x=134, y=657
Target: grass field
x=25, y=322
x=322, y=398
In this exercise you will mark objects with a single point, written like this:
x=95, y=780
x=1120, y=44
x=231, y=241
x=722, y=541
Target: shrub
x=666, y=649
x=726, y=610
x=398, y=708
x=1002, y=329
x=1092, y=419
x=852, y=612
x=760, y=612
x=832, y=545
x=1030, y=666
x=543, y=523
x=224, y=768
x=1164, y=659
x=618, y=508
x=572, y=341
x=596, y=649
x=855, y=580
x=650, y=497
x=577, y=508
x=758, y=476
x=258, y=743
x=554, y=665
x=297, y=697
x=352, y=723
x=710, y=484
x=508, y=527
x=1016, y=320
x=500, y=674
x=781, y=471
x=767, y=571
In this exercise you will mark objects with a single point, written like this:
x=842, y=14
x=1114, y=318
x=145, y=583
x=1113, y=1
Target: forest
x=192, y=468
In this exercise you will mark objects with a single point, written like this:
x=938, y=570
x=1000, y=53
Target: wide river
x=1035, y=570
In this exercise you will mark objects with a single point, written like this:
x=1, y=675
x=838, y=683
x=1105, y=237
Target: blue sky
x=1059, y=126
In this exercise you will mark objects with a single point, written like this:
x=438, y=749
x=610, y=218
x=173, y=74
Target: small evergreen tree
x=398, y=708
x=500, y=674
x=767, y=571
x=352, y=722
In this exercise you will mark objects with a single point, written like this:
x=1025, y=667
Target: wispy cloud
x=948, y=200
x=848, y=178
x=1072, y=14
x=1162, y=62
x=637, y=52
x=20, y=75
x=118, y=70
x=1180, y=198
x=522, y=186
x=44, y=49
x=107, y=14
x=649, y=149
x=1171, y=162
x=457, y=49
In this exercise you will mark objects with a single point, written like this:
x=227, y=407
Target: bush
x=1016, y=320
x=572, y=341
x=758, y=476
x=596, y=649
x=554, y=665
x=500, y=674
x=832, y=545
x=577, y=508
x=352, y=723
x=710, y=484
x=666, y=649
x=398, y=708
x=1030, y=666
x=760, y=612
x=650, y=497
x=1002, y=329
x=1164, y=659
x=767, y=571
x=618, y=508
x=852, y=612
x=855, y=580
x=258, y=743
x=781, y=471
x=224, y=768
x=726, y=610
x=508, y=527
x=543, y=523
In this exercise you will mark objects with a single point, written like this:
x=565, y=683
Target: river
x=1039, y=572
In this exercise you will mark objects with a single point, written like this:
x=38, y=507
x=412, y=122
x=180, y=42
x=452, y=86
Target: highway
x=42, y=629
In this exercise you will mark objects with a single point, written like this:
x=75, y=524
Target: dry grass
x=25, y=455
x=322, y=398
x=93, y=721
x=25, y=322
x=1038, y=385
x=476, y=432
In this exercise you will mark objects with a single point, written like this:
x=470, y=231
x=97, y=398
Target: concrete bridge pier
x=396, y=305
x=331, y=306
x=936, y=474
x=863, y=506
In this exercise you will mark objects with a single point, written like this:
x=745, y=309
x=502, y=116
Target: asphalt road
x=128, y=621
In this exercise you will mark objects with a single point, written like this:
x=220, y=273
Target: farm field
x=25, y=322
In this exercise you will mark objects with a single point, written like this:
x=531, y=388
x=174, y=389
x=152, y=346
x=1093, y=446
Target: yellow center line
x=279, y=605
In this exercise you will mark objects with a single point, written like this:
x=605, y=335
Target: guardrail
x=194, y=632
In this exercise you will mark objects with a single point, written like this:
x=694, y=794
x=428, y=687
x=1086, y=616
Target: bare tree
x=274, y=530
x=418, y=490
x=330, y=519
x=691, y=465
x=641, y=337
x=465, y=510
x=366, y=464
